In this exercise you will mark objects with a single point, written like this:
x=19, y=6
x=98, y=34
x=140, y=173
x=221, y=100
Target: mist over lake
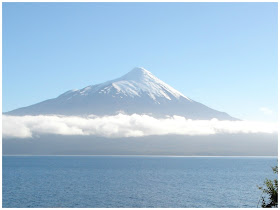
x=213, y=145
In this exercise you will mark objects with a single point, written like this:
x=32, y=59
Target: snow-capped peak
x=138, y=91
x=136, y=74
x=136, y=83
x=151, y=84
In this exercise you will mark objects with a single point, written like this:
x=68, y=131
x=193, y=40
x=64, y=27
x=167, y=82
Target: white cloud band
x=125, y=126
x=266, y=110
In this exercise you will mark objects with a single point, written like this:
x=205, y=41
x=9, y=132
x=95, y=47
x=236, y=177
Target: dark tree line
x=270, y=192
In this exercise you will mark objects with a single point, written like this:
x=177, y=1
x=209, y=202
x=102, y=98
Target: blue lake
x=127, y=181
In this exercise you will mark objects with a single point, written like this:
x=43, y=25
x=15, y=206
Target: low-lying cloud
x=122, y=125
x=266, y=110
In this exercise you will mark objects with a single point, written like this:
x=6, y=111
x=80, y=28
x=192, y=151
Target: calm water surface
x=112, y=181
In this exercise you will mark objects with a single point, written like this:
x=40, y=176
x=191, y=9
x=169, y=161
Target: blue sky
x=223, y=55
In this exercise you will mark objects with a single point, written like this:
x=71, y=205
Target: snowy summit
x=136, y=83
x=138, y=91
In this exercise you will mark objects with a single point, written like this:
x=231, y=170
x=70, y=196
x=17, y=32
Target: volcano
x=138, y=91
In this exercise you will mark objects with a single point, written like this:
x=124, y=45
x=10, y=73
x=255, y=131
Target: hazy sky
x=223, y=55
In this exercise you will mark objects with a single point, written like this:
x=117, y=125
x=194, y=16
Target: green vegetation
x=270, y=192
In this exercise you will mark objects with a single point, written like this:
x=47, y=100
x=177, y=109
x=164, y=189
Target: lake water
x=126, y=181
